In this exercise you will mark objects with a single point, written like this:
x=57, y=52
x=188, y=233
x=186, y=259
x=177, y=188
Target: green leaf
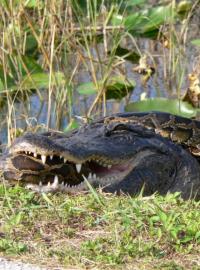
x=31, y=44
x=116, y=88
x=196, y=42
x=186, y=239
x=119, y=87
x=6, y=81
x=30, y=65
x=135, y=2
x=12, y=247
x=174, y=106
x=87, y=88
x=47, y=199
x=174, y=233
x=93, y=191
x=31, y=3
x=34, y=4
x=149, y=20
x=154, y=219
x=197, y=235
x=25, y=65
x=41, y=80
x=117, y=19
x=184, y=6
x=163, y=217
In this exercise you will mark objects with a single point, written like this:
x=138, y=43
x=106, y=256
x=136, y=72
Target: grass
x=99, y=230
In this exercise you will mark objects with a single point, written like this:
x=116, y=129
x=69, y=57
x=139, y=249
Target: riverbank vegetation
x=63, y=59
x=63, y=63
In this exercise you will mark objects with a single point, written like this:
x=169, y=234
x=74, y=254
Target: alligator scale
x=127, y=152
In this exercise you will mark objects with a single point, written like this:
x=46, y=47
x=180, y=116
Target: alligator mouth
x=48, y=173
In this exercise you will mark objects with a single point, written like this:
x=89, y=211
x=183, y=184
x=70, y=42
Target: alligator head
x=118, y=156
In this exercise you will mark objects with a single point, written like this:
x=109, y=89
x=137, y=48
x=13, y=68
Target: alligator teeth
x=109, y=166
x=62, y=184
x=78, y=167
x=94, y=176
x=43, y=158
x=65, y=160
x=51, y=157
x=55, y=182
x=40, y=183
x=49, y=184
x=104, y=165
x=35, y=155
x=90, y=176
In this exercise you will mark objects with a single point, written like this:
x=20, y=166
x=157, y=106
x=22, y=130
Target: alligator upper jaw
x=49, y=173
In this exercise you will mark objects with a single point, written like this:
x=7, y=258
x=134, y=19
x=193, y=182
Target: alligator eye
x=119, y=128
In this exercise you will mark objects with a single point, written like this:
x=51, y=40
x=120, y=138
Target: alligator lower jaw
x=94, y=179
x=98, y=171
x=56, y=186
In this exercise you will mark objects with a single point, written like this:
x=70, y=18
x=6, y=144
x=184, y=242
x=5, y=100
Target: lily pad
x=148, y=21
x=174, y=106
x=119, y=87
x=116, y=88
x=87, y=88
x=41, y=80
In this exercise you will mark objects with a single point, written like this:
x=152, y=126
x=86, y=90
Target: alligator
x=124, y=153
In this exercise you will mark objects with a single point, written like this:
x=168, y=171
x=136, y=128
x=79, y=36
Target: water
x=33, y=112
